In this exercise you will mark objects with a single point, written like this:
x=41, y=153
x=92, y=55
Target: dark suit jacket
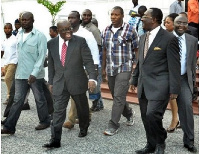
x=159, y=73
x=73, y=73
x=191, y=45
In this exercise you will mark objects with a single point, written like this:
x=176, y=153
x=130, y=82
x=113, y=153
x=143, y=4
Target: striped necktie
x=180, y=45
x=63, y=53
x=146, y=46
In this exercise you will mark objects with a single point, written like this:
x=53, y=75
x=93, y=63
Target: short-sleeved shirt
x=175, y=7
x=134, y=20
x=119, y=48
x=31, y=55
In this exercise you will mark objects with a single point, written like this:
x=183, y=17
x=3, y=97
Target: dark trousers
x=59, y=115
x=152, y=114
x=47, y=94
x=185, y=111
x=21, y=88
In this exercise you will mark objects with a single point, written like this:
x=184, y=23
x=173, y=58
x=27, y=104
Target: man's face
x=86, y=17
x=65, y=30
x=116, y=18
x=180, y=25
x=134, y=1
x=73, y=19
x=27, y=21
x=17, y=25
x=147, y=20
x=52, y=33
x=8, y=29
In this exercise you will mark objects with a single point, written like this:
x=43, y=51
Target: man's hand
x=173, y=96
x=132, y=88
x=31, y=79
x=51, y=88
x=91, y=86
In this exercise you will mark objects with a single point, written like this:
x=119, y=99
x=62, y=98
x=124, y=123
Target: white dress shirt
x=153, y=34
x=9, y=46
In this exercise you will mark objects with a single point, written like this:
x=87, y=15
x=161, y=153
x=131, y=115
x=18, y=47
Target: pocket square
x=157, y=48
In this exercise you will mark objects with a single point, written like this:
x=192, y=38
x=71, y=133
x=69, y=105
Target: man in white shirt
x=9, y=49
x=74, y=19
x=176, y=7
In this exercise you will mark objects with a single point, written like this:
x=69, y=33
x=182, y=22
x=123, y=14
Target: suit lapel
x=156, y=40
x=70, y=48
x=187, y=41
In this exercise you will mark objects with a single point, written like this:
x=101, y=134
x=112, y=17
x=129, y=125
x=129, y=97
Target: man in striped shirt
x=119, y=43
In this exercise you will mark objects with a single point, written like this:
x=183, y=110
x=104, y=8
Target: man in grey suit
x=188, y=49
x=157, y=77
x=68, y=78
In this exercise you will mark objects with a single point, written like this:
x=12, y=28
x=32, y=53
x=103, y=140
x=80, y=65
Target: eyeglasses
x=144, y=17
x=183, y=23
x=66, y=29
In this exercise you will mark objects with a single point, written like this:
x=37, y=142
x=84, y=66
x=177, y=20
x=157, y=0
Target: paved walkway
x=129, y=138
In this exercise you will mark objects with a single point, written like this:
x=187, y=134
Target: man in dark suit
x=68, y=78
x=157, y=77
x=188, y=49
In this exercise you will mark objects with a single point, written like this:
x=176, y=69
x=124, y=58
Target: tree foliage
x=52, y=8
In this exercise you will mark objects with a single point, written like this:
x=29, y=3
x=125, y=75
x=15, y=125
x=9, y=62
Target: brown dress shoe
x=68, y=125
x=42, y=126
x=5, y=131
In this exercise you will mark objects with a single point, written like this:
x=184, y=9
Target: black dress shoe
x=52, y=144
x=191, y=148
x=160, y=148
x=82, y=133
x=5, y=131
x=147, y=149
x=42, y=126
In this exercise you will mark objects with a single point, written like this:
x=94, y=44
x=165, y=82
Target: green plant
x=53, y=8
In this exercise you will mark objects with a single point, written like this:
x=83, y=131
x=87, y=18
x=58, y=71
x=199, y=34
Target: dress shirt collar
x=154, y=31
x=119, y=27
x=182, y=36
x=33, y=31
x=61, y=40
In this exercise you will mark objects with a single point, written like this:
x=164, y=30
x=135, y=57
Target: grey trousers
x=185, y=111
x=119, y=85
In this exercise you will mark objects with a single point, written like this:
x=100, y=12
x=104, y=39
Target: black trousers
x=152, y=112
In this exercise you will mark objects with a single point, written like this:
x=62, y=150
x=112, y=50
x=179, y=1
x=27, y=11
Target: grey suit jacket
x=72, y=74
x=159, y=73
x=191, y=46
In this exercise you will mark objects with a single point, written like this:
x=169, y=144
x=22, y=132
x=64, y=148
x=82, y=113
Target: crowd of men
x=80, y=57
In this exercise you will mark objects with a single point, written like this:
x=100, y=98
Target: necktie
x=180, y=45
x=63, y=53
x=146, y=46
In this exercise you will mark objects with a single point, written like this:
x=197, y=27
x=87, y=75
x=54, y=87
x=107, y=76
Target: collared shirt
x=175, y=7
x=183, y=53
x=134, y=20
x=95, y=31
x=9, y=46
x=119, y=48
x=193, y=11
x=31, y=55
x=153, y=34
x=92, y=44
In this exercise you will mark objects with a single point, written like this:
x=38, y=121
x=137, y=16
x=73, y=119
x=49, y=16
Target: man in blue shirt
x=31, y=50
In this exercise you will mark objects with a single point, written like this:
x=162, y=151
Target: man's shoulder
x=191, y=38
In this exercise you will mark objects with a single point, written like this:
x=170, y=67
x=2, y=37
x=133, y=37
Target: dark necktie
x=63, y=53
x=180, y=45
x=146, y=46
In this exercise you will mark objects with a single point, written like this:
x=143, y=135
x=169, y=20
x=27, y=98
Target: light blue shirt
x=183, y=56
x=31, y=55
x=175, y=7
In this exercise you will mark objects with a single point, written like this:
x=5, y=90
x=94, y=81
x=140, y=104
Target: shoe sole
x=110, y=134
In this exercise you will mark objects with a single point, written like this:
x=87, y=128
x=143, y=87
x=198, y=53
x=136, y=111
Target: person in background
x=17, y=27
x=188, y=50
x=95, y=22
x=86, y=16
x=139, y=28
x=157, y=78
x=29, y=73
x=9, y=50
x=74, y=19
x=68, y=54
x=193, y=14
x=169, y=25
x=120, y=40
x=134, y=14
x=53, y=32
x=176, y=7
